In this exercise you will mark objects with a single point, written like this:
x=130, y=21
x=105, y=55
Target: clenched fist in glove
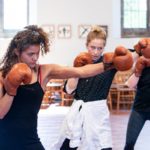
x=143, y=47
x=82, y=59
x=108, y=60
x=19, y=73
x=141, y=63
x=121, y=59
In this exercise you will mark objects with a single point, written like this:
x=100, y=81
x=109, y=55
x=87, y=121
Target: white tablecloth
x=49, y=122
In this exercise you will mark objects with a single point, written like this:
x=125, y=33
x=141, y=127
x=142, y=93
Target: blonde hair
x=96, y=32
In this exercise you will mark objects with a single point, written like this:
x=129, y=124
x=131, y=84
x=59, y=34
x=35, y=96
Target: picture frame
x=64, y=31
x=83, y=30
x=105, y=27
x=50, y=29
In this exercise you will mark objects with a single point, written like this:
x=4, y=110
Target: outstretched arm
x=54, y=71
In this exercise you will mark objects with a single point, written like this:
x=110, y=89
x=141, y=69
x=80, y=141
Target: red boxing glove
x=121, y=59
x=141, y=63
x=143, y=47
x=19, y=73
x=82, y=59
x=108, y=60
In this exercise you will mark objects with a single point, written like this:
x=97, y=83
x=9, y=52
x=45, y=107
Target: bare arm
x=135, y=57
x=5, y=102
x=71, y=85
x=54, y=71
x=132, y=81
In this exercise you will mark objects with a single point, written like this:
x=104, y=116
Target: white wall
x=76, y=12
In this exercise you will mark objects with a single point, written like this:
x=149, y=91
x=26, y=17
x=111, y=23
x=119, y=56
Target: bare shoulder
x=53, y=71
x=52, y=68
x=48, y=68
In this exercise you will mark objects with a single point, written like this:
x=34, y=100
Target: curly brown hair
x=31, y=35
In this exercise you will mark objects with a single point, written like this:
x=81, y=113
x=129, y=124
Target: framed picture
x=64, y=31
x=83, y=30
x=105, y=28
x=50, y=29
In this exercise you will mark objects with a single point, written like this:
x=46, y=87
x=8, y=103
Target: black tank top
x=18, y=129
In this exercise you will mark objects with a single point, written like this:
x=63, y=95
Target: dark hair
x=31, y=35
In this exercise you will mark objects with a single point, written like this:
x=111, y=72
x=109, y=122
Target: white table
x=49, y=123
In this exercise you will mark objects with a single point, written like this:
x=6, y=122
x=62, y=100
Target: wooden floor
x=119, y=124
x=50, y=121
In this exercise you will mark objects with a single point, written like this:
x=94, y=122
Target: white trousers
x=87, y=125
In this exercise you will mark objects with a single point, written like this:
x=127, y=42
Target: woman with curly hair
x=22, y=85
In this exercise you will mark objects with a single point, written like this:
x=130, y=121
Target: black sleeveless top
x=142, y=98
x=18, y=129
